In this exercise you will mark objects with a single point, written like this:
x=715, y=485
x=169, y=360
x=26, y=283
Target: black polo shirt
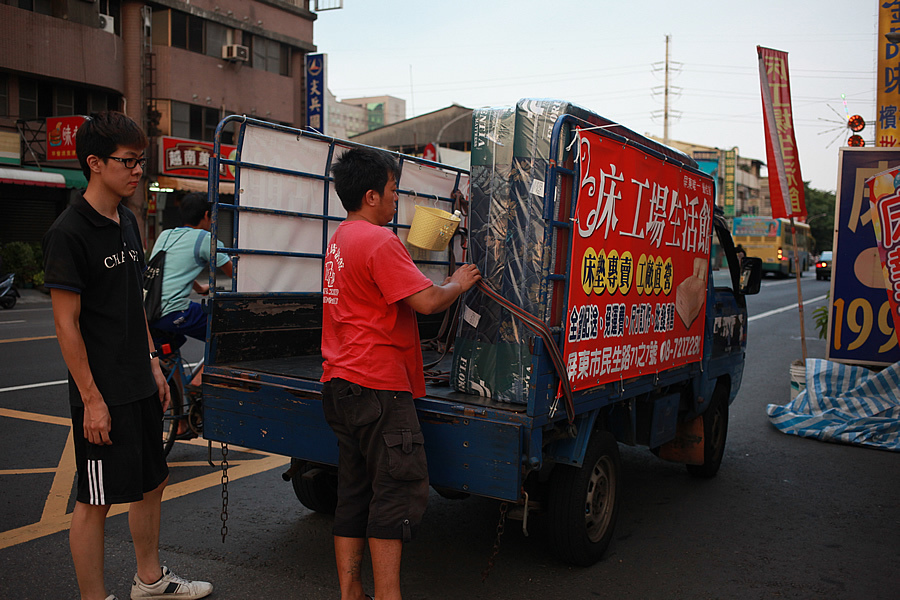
x=102, y=260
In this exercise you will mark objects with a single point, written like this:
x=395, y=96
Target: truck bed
x=309, y=368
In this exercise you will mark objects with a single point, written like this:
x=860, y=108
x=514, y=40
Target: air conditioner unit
x=107, y=23
x=235, y=52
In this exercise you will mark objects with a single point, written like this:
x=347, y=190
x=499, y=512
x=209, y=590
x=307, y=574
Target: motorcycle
x=8, y=292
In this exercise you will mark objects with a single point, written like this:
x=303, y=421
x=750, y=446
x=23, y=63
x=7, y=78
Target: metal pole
x=799, y=291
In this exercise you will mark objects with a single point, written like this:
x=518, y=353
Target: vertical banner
x=728, y=196
x=888, y=79
x=316, y=115
x=785, y=181
x=861, y=327
x=884, y=199
x=61, y=137
x=640, y=261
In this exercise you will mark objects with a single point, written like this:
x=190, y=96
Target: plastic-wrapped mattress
x=509, y=240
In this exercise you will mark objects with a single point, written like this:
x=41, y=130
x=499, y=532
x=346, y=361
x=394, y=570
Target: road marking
x=31, y=339
x=11, y=322
x=775, y=311
x=33, y=385
x=54, y=517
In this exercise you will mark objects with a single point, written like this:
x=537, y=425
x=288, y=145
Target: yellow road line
x=31, y=339
x=55, y=518
x=61, y=522
x=38, y=418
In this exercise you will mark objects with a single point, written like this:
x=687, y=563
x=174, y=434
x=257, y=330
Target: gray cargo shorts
x=382, y=471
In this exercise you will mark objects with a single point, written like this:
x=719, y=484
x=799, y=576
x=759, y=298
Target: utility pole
x=666, y=97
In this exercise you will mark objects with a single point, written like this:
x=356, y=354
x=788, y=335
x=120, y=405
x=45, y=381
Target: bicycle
x=186, y=406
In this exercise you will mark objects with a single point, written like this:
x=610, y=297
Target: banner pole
x=799, y=291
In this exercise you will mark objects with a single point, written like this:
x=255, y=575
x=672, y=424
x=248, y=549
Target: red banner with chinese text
x=884, y=197
x=61, y=137
x=190, y=158
x=785, y=181
x=639, y=264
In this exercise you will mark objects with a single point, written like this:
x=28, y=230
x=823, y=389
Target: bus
x=771, y=240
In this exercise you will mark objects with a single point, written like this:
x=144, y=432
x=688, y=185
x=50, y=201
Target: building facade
x=178, y=68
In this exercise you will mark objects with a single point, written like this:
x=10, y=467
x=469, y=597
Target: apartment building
x=176, y=67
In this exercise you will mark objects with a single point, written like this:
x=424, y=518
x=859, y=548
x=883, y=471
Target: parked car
x=823, y=266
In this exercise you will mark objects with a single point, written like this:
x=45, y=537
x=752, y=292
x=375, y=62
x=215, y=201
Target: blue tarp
x=846, y=404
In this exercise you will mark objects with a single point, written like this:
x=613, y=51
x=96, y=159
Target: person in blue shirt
x=187, y=251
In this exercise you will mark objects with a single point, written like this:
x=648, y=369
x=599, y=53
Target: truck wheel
x=584, y=503
x=315, y=486
x=715, y=431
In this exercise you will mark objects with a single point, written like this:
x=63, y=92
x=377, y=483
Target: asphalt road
x=785, y=518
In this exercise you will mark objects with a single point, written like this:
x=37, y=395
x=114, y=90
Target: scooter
x=8, y=292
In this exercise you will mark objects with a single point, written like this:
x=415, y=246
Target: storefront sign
x=884, y=199
x=637, y=294
x=190, y=158
x=861, y=327
x=61, y=137
x=887, y=93
x=316, y=115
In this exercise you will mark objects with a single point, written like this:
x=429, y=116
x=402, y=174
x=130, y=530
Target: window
x=65, y=101
x=269, y=55
x=216, y=37
x=35, y=99
x=4, y=96
x=197, y=123
x=198, y=35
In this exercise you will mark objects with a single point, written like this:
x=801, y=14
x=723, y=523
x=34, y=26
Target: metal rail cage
x=284, y=198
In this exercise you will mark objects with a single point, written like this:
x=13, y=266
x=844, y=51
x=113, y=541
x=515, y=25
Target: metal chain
x=224, y=490
x=496, y=550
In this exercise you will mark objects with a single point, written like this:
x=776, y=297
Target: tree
x=820, y=206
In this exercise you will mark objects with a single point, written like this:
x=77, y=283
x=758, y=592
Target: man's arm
x=66, y=311
x=436, y=298
x=162, y=386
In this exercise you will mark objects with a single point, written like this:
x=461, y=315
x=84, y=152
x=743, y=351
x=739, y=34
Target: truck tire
x=715, y=432
x=315, y=486
x=584, y=503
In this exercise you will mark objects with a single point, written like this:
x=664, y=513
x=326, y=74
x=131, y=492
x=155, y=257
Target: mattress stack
x=510, y=242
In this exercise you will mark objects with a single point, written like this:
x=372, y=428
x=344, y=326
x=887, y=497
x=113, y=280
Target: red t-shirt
x=369, y=335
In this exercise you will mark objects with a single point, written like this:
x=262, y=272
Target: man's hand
x=466, y=276
x=162, y=386
x=97, y=423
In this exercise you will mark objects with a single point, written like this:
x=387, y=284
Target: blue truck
x=600, y=321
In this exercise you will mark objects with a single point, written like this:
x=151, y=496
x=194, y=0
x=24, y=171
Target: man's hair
x=359, y=170
x=102, y=133
x=193, y=207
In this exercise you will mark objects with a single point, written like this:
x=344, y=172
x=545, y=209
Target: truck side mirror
x=751, y=275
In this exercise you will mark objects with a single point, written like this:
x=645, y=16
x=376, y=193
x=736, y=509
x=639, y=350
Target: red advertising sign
x=190, y=158
x=884, y=197
x=61, y=137
x=640, y=259
x=785, y=181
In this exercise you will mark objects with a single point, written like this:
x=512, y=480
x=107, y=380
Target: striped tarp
x=846, y=404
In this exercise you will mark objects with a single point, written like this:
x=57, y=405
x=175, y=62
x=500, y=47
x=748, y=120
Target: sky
x=609, y=56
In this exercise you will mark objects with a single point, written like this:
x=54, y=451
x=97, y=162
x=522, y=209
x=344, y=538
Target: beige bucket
x=432, y=228
x=798, y=377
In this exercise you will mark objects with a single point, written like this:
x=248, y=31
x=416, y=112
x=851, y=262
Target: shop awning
x=26, y=177
x=192, y=185
x=74, y=177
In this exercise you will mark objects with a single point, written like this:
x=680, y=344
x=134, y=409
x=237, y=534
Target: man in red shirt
x=373, y=371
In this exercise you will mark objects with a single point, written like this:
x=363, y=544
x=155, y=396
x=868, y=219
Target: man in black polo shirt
x=93, y=260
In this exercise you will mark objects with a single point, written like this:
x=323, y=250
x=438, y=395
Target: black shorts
x=382, y=472
x=132, y=465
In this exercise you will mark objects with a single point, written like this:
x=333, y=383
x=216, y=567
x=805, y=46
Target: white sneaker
x=171, y=586
x=111, y=597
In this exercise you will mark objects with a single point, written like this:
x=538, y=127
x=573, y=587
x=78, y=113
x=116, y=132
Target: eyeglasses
x=130, y=163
